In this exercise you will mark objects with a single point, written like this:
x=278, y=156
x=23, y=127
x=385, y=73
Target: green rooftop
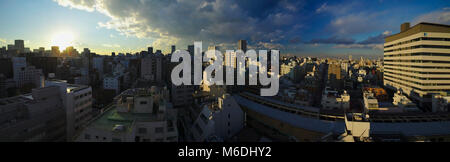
x=111, y=118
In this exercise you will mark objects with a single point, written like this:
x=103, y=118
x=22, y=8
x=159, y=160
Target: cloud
x=373, y=42
x=332, y=40
x=111, y=45
x=266, y=45
x=322, y=8
x=362, y=46
x=356, y=23
x=440, y=16
x=88, y=5
x=337, y=9
x=379, y=39
x=3, y=41
x=184, y=21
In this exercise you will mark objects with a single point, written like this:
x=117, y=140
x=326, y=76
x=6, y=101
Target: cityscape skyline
x=287, y=71
x=295, y=27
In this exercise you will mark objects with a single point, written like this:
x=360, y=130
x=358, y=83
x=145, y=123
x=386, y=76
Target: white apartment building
x=138, y=115
x=218, y=121
x=417, y=61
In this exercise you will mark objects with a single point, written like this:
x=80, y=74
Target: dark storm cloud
x=333, y=40
x=186, y=20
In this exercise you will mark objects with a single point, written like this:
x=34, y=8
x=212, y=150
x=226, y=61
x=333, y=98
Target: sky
x=297, y=27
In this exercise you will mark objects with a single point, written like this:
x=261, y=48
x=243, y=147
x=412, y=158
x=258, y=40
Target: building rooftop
x=75, y=87
x=111, y=119
x=421, y=27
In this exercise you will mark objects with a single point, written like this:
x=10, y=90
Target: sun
x=63, y=39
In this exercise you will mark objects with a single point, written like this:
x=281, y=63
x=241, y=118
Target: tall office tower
x=20, y=45
x=150, y=50
x=191, y=50
x=417, y=60
x=242, y=45
x=173, y=49
x=55, y=51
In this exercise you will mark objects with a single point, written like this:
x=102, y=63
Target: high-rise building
x=20, y=45
x=417, y=60
x=55, y=51
x=173, y=49
x=150, y=50
x=242, y=45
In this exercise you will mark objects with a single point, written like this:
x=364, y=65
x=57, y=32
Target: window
x=142, y=130
x=143, y=102
x=159, y=130
x=116, y=140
